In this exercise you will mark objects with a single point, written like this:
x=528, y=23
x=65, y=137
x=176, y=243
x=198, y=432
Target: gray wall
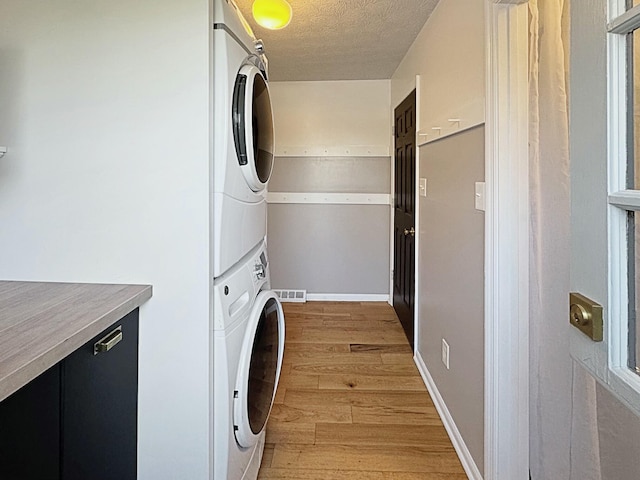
x=451, y=262
x=331, y=174
x=330, y=249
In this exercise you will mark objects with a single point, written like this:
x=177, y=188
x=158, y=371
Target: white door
x=605, y=191
x=605, y=188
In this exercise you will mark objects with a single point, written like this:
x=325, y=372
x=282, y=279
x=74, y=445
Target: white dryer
x=243, y=138
x=248, y=345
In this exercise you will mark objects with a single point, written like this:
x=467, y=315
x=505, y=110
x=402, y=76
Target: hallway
x=351, y=403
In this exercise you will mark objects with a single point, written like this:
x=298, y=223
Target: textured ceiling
x=342, y=39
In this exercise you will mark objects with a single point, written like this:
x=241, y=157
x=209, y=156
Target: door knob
x=411, y=232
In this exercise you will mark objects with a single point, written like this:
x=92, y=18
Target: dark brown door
x=404, y=216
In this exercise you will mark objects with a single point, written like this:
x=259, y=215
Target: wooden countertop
x=42, y=323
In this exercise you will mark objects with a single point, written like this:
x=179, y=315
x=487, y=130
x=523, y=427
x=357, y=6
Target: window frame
x=622, y=381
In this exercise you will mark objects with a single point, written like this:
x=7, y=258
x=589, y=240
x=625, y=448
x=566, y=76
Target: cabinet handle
x=107, y=342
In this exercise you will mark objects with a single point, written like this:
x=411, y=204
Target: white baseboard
x=469, y=465
x=346, y=297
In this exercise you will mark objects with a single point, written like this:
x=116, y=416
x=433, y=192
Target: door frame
x=507, y=219
x=507, y=241
x=416, y=244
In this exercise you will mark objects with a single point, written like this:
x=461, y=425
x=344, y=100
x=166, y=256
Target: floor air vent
x=292, y=295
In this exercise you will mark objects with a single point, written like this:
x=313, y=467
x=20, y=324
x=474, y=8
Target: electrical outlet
x=445, y=353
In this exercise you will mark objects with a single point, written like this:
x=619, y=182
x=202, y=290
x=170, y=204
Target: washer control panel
x=236, y=290
x=260, y=267
x=259, y=271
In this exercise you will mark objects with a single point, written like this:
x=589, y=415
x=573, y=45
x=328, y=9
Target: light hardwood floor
x=351, y=404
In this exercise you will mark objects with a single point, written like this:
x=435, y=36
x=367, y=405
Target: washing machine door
x=253, y=126
x=259, y=368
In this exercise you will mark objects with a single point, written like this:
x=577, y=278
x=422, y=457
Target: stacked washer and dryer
x=248, y=322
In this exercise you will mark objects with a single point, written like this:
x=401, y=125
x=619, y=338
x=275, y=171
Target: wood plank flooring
x=351, y=404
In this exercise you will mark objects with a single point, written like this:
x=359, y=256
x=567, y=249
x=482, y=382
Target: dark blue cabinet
x=30, y=430
x=78, y=420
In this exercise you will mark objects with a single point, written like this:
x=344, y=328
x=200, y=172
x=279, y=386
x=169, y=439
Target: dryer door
x=253, y=127
x=259, y=368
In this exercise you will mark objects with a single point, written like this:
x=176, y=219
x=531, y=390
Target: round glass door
x=253, y=127
x=259, y=368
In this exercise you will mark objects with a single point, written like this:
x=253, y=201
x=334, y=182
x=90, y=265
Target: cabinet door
x=99, y=409
x=30, y=430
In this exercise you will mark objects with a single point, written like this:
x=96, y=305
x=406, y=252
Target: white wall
x=448, y=56
x=325, y=130
x=104, y=108
x=311, y=117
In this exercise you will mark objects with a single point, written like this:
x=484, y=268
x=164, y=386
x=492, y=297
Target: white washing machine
x=243, y=138
x=248, y=345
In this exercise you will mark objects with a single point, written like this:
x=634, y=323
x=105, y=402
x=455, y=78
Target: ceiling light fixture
x=272, y=14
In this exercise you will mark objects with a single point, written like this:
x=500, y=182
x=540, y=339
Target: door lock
x=579, y=315
x=411, y=231
x=586, y=316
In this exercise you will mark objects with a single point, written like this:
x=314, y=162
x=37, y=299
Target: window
x=624, y=200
